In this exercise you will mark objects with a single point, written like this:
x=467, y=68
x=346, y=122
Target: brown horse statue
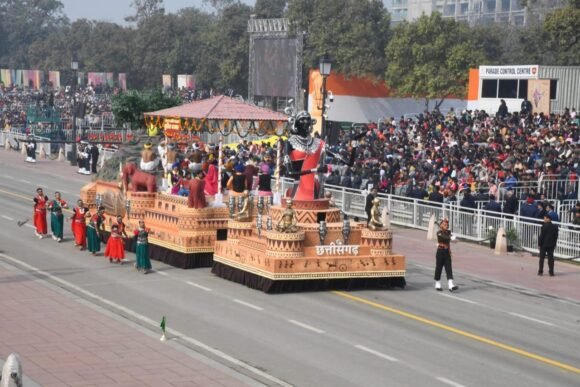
x=140, y=181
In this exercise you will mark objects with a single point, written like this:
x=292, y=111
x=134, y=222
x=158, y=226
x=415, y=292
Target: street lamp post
x=325, y=66
x=74, y=65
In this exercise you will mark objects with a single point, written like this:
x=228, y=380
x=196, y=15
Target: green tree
x=129, y=107
x=145, y=9
x=23, y=23
x=562, y=29
x=430, y=58
x=270, y=9
x=353, y=32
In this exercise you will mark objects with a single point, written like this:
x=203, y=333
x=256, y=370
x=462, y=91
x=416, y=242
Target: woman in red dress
x=115, y=249
x=79, y=224
x=40, y=202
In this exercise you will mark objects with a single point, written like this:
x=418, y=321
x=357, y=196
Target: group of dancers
x=89, y=230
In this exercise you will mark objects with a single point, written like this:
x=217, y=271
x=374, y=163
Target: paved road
x=484, y=335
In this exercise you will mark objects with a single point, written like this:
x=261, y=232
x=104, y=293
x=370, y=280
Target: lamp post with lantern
x=325, y=67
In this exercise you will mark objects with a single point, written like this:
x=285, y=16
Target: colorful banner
x=539, y=95
x=54, y=79
x=6, y=77
x=185, y=81
x=81, y=78
x=97, y=79
x=32, y=79
x=17, y=81
x=110, y=79
x=123, y=81
x=166, y=79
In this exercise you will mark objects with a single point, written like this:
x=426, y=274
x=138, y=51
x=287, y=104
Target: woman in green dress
x=56, y=217
x=95, y=230
x=142, y=250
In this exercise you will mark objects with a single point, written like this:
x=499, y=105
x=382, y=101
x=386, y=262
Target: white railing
x=466, y=224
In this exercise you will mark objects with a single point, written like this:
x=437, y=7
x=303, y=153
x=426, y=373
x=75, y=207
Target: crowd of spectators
x=17, y=102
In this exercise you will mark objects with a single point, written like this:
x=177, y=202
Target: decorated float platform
x=321, y=251
x=180, y=236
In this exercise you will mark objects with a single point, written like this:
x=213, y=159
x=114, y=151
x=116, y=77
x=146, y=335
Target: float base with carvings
x=180, y=236
x=335, y=255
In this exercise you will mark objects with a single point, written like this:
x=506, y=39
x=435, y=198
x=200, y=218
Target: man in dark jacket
x=94, y=158
x=436, y=196
x=493, y=207
x=529, y=209
x=510, y=206
x=547, y=243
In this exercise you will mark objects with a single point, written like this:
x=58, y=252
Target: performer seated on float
x=304, y=157
x=149, y=160
x=237, y=183
x=288, y=223
x=173, y=179
x=184, y=185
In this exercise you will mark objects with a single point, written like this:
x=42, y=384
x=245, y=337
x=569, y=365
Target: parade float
x=184, y=230
x=303, y=242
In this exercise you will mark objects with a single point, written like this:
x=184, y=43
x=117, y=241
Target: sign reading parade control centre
x=509, y=72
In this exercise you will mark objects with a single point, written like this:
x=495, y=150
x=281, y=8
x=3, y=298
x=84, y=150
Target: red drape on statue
x=306, y=186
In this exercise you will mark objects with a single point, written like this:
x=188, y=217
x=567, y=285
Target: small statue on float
x=304, y=158
x=375, y=222
x=245, y=213
x=288, y=223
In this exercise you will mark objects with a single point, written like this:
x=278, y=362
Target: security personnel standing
x=443, y=257
x=547, y=243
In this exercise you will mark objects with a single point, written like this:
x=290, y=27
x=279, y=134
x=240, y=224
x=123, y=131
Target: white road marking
x=7, y=217
x=24, y=181
x=162, y=273
x=459, y=299
x=376, y=353
x=62, y=191
x=449, y=382
x=198, y=286
x=306, y=326
x=247, y=304
x=9, y=177
x=30, y=226
x=152, y=323
x=532, y=319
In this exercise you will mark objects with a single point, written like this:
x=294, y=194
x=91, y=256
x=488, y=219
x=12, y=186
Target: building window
x=508, y=88
x=523, y=90
x=553, y=88
x=489, y=88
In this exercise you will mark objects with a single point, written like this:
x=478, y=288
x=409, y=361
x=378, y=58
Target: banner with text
x=509, y=72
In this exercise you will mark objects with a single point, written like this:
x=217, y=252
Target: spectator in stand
x=436, y=196
x=529, y=209
x=551, y=212
x=502, y=111
x=511, y=204
x=541, y=211
x=493, y=207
